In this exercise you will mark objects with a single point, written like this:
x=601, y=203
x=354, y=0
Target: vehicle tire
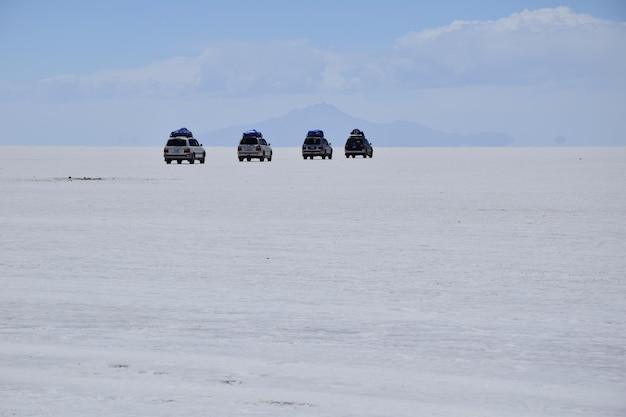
x=353, y=156
x=330, y=156
x=347, y=156
x=269, y=159
x=168, y=161
x=179, y=161
x=203, y=158
x=241, y=159
x=249, y=158
x=324, y=156
x=262, y=158
x=304, y=157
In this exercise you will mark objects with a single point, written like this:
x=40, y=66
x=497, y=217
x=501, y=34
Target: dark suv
x=357, y=144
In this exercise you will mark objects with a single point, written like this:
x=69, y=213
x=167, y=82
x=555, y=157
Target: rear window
x=312, y=141
x=176, y=142
x=249, y=140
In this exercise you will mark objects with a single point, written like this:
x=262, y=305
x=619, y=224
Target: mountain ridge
x=290, y=130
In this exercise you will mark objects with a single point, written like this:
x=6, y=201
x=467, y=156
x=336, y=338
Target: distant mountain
x=290, y=130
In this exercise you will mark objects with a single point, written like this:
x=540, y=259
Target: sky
x=127, y=73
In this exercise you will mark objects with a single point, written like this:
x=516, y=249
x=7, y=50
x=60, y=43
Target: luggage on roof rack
x=317, y=133
x=183, y=131
x=253, y=132
x=356, y=132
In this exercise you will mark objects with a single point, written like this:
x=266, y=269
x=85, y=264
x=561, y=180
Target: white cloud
x=281, y=67
x=225, y=69
x=167, y=78
x=545, y=47
x=237, y=68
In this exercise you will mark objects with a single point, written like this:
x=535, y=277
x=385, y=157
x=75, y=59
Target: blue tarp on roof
x=253, y=132
x=317, y=133
x=183, y=131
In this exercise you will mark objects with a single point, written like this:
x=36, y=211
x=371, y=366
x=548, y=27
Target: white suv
x=252, y=145
x=181, y=146
x=315, y=144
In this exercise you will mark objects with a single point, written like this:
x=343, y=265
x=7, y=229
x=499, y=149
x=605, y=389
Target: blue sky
x=533, y=69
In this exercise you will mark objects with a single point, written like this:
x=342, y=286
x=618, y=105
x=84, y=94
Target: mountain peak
x=319, y=109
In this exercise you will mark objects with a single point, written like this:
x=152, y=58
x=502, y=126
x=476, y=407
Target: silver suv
x=252, y=145
x=315, y=144
x=182, y=146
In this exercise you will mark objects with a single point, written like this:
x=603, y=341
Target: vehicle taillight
x=239, y=148
x=258, y=148
x=187, y=150
x=362, y=146
x=165, y=150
